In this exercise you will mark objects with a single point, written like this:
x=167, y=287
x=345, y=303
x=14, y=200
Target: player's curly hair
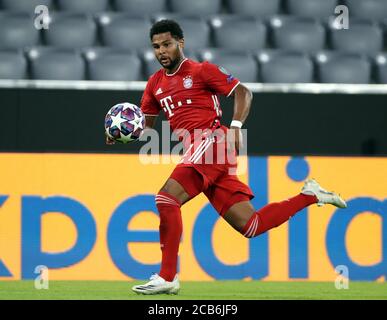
x=167, y=25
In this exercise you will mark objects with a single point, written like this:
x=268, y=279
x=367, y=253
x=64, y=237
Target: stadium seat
x=367, y=9
x=298, y=34
x=112, y=64
x=196, y=31
x=140, y=7
x=17, y=31
x=285, y=67
x=124, y=31
x=56, y=64
x=151, y=65
x=257, y=8
x=312, y=8
x=361, y=37
x=13, y=65
x=238, y=32
x=27, y=6
x=67, y=30
x=197, y=7
x=334, y=67
x=381, y=68
x=239, y=63
x=83, y=6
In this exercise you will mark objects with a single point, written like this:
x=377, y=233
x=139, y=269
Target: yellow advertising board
x=93, y=217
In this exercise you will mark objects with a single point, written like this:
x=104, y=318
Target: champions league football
x=124, y=122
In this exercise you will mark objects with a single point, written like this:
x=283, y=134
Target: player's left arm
x=242, y=103
x=150, y=121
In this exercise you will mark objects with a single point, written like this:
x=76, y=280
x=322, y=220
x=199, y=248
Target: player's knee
x=238, y=219
x=165, y=199
x=245, y=232
x=252, y=227
x=171, y=187
x=248, y=236
x=238, y=223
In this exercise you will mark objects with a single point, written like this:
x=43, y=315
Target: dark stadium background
x=280, y=124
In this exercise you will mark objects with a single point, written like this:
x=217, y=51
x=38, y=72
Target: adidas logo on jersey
x=159, y=91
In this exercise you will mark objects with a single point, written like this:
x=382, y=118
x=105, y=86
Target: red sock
x=171, y=228
x=275, y=214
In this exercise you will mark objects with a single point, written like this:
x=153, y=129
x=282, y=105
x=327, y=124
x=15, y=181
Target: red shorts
x=213, y=175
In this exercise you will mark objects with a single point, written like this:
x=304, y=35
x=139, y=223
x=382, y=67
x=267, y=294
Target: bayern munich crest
x=187, y=82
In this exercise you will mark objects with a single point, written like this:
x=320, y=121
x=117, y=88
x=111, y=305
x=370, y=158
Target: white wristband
x=236, y=123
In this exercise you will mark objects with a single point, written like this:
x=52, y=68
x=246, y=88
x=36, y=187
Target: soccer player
x=187, y=93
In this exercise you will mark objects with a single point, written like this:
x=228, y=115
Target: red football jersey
x=189, y=96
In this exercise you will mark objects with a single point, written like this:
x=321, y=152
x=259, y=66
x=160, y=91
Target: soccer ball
x=124, y=122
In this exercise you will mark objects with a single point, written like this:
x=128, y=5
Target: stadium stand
x=256, y=8
x=56, y=64
x=239, y=63
x=112, y=64
x=68, y=30
x=27, y=6
x=13, y=65
x=311, y=8
x=16, y=31
x=124, y=31
x=362, y=37
x=83, y=6
x=335, y=67
x=298, y=34
x=285, y=67
x=228, y=31
x=381, y=67
x=140, y=7
x=197, y=7
x=234, y=28
x=367, y=9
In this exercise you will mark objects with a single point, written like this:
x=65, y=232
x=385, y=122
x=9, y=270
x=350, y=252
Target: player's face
x=168, y=50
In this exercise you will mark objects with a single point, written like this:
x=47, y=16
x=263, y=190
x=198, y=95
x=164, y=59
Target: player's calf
x=170, y=232
x=275, y=214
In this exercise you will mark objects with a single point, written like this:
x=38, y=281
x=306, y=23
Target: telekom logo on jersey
x=168, y=106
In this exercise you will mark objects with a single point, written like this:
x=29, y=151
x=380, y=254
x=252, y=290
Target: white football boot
x=311, y=187
x=157, y=285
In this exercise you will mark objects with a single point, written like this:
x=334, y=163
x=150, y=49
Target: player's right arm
x=149, y=104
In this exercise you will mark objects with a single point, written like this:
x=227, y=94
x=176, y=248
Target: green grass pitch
x=217, y=290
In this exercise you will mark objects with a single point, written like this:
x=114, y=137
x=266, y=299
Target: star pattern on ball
x=125, y=139
x=136, y=122
x=128, y=106
x=117, y=120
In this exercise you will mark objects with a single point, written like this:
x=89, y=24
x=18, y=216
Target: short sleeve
x=218, y=79
x=149, y=104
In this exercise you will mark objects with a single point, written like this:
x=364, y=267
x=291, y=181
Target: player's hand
x=109, y=141
x=235, y=139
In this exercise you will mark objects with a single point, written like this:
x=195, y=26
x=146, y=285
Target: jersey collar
x=178, y=68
